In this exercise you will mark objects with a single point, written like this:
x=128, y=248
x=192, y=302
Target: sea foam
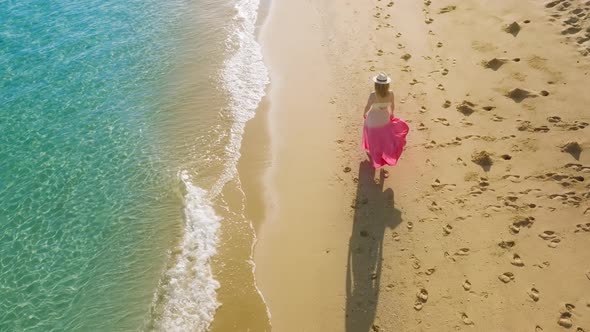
x=186, y=299
x=244, y=77
x=188, y=287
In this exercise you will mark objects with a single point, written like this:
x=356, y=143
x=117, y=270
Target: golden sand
x=484, y=225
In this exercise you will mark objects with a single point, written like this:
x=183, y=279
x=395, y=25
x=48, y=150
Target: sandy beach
x=484, y=224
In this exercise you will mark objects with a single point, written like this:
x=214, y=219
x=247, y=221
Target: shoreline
x=303, y=126
x=242, y=304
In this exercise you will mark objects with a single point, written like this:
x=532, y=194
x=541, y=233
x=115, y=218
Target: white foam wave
x=190, y=288
x=188, y=296
x=244, y=77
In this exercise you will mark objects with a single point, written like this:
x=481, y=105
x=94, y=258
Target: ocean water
x=121, y=126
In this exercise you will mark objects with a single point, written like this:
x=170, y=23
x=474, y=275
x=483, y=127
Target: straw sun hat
x=382, y=78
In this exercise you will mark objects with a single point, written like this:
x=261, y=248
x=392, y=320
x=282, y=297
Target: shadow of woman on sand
x=374, y=212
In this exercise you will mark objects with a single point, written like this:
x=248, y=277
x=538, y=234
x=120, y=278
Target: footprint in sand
x=521, y=222
x=541, y=129
x=506, y=244
x=466, y=285
x=439, y=44
x=506, y=277
x=441, y=87
x=447, y=9
x=421, y=299
x=571, y=30
x=578, y=167
x=512, y=178
x=428, y=20
x=517, y=261
x=437, y=185
x=494, y=208
x=548, y=235
x=572, y=126
x=415, y=81
x=553, y=3
x=449, y=257
x=466, y=320
x=445, y=72
x=462, y=252
x=545, y=264
x=446, y=104
x=390, y=4
x=447, y=229
x=442, y=121
x=430, y=145
x=524, y=125
x=551, y=237
x=422, y=295
x=483, y=183
x=415, y=262
x=565, y=320
x=430, y=271
x=582, y=227
x=534, y=294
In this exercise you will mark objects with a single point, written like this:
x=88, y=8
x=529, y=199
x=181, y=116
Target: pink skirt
x=385, y=144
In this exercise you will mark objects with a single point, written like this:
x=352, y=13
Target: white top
x=379, y=114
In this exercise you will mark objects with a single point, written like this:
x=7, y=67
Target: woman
x=384, y=136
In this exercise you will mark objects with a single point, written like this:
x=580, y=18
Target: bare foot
x=385, y=173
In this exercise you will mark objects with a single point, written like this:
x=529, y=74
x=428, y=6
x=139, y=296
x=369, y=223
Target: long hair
x=382, y=90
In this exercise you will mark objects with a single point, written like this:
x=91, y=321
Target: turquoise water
x=86, y=195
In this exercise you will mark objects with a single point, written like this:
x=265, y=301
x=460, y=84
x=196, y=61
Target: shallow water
x=118, y=138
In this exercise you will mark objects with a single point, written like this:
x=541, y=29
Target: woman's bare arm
x=368, y=107
x=392, y=101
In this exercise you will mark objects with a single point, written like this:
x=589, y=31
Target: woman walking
x=384, y=136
